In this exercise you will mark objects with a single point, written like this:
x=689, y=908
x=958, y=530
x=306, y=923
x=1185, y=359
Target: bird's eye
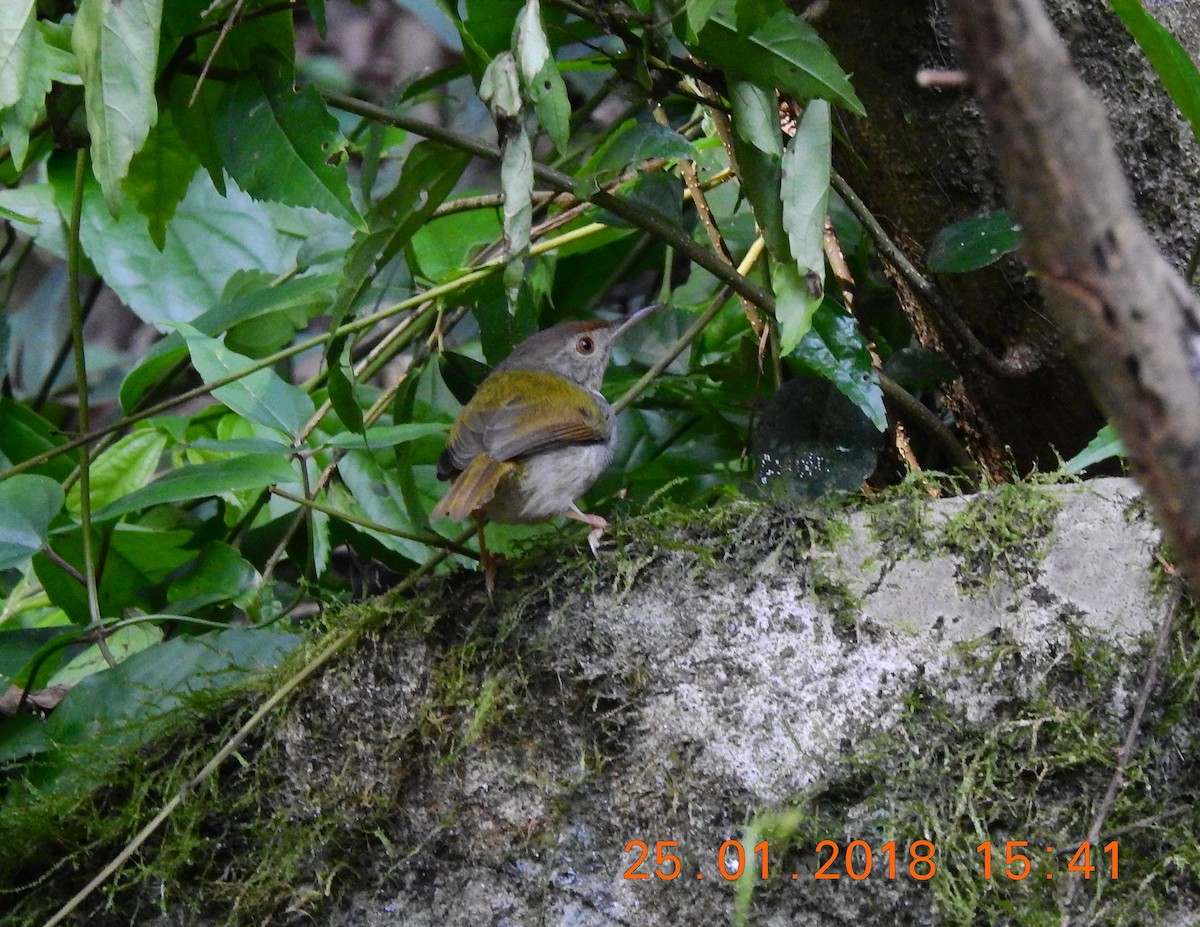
x=585, y=345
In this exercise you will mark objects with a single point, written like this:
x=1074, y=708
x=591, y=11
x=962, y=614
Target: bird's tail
x=472, y=489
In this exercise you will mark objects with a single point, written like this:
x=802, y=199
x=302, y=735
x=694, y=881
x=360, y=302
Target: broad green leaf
x=805, y=188
x=387, y=435
x=151, y=553
x=221, y=574
x=28, y=503
x=698, y=12
x=317, y=9
x=124, y=707
x=159, y=176
x=33, y=63
x=836, y=349
x=796, y=301
x=210, y=237
x=442, y=247
x=375, y=494
x=199, y=481
x=758, y=143
x=1174, y=65
x=543, y=84
x=657, y=191
x=122, y=643
x=262, y=396
x=18, y=28
x=116, y=42
x=302, y=296
x=18, y=647
x=429, y=174
x=751, y=14
x=490, y=24
x=196, y=122
x=973, y=243
x=36, y=201
x=635, y=142
x=1104, y=446
x=784, y=52
x=122, y=468
x=25, y=434
x=276, y=143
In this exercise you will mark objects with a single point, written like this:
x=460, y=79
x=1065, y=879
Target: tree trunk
x=920, y=161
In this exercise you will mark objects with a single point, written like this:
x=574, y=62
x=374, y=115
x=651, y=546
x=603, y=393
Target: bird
x=536, y=434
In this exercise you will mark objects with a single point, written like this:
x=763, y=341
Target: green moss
x=1003, y=532
x=1037, y=774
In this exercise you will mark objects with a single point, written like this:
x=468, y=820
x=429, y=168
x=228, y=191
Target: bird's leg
x=596, y=521
x=485, y=556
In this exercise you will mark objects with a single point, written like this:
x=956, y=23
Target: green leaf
x=122, y=468
x=262, y=396
x=199, y=481
x=210, y=237
x=657, y=191
x=698, y=13
x=543, y=84
x=795, y=304
x=122, y=708
x=635, y=142
x=758, y=144
x=300, y=296
x=196, y=122
x=116, y=42
x=1174, y=65
x=18, y=29
x=836, y=349
x=443, y=246
x=784, y=52
x=159, y=176
x=277, y=142
x=122, y=643
x=28, y=503
x=342, y=395
x=317, y=9
x=17, y=650
x=805, y=188
x=221, y=574
x=973, y=243
x=430, y=172
x=28, y=64
x=375, y=494
x=36, y=201
x=1104, y=446
x=25, y=434
x=387, y=435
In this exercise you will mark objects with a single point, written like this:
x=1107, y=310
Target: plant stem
x=74, y=258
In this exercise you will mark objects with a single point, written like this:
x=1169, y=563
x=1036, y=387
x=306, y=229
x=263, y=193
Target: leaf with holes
x=277, y=142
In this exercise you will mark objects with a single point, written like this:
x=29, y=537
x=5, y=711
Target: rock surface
x=913, y=679
x=747, y=683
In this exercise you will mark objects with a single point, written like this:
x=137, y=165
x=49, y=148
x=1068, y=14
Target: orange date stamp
x=1013, y=860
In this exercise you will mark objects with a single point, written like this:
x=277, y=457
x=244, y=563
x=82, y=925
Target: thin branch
x=924, y=287
x=74, y=259
x=422, y=537
x=1125, y=753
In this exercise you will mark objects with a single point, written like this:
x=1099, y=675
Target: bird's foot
x=598, y=525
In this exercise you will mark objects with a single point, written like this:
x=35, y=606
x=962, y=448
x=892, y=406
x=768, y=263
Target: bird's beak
x=633, y=320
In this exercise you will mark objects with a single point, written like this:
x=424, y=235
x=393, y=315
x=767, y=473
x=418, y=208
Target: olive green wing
x=517, y=413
